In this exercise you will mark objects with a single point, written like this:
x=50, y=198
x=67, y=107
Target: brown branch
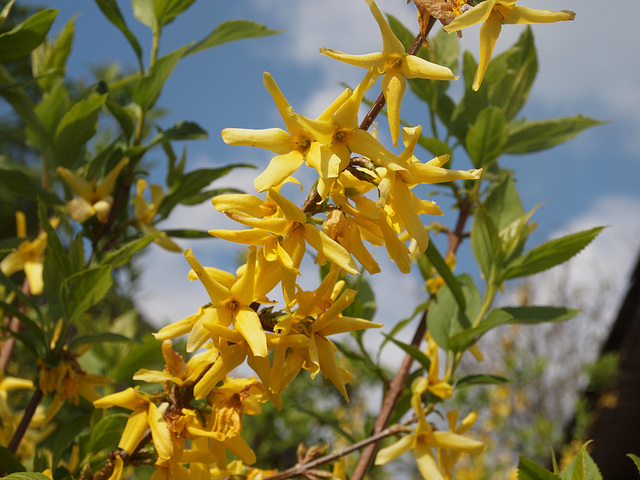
x=14, y=326
x=302, y=468
x=26, y=420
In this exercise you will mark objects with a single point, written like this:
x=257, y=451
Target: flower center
x=393, y=63
x=340, y=136
x=233, y=305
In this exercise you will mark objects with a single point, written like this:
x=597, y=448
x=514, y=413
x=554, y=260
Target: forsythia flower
x=425, y=439
x=93, y=199
x=29, y=256
x=145, y=416
x=145, y=213
x=494, y=13
x=394, y=63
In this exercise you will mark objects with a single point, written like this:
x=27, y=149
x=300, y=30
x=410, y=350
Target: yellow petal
x=240, y=449
x=217, y=293
x=281, y=103
x=78, y=184
x=129, y=398
x=458, y=443
x=229, y=358
x=117, y=469
x=370, y=60
x=524, y=15
x=243, y=288
x=393, y=87
x=326, y=357
x=390, y=43
x=290, y=210
x=393, y=451
x=106, y=187
x=329, y=248
x=473, y=16
x=426, y=463
x=349, y=324
x=279, y=169
x=274, y=139
x=416, y=67
x=134, y=430
x=248, y=324
x=159, y=432
x=240, y=202
x=33, y=271
x=489, y=33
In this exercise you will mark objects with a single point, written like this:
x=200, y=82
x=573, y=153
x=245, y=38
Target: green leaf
x=582, y=467
x=480, y=379
x=509, y=315
x=124, y=116
x=550, y=254
x=5, y=11
x=180, y=131
x=230, y=31
x=104, y=337
x=122, y=255
x=77, y=126
x=434, y=146
x=485, y=243
x=107, y=432
x=510, y=75
x=54, y=58
x=9, y=462
x=527, y=137
x=503, y=203
x=140, y=356
x=111, y=10
x=66, y=433
x=144, y=12
x=445, y=272
x=401, y=324
x=487, y=137
x=24, y=37
x=26, y=476
x=83, y=290
x=150, y=86
x=191, y=184
x=415, y=352
x=530, y=470
x=24, y=186
x=57, y=266
x=188, y=233
x=27, y=323
x=636, y=460
x=445, y=318
x=466, y=112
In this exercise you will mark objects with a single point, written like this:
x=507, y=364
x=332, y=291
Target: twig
x=26, y=420
x=302, y=468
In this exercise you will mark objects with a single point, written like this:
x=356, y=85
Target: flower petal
x=274, y=139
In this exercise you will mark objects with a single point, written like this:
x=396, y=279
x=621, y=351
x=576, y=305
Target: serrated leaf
x=180, y=131
x=487, y=137
x=83, y=290
x=111, y=10
x=480, y=379
x=24, y=186
x=150, y=86
x=550, y=254
x=106, y=434
x=528, y=137
x=24, y=37
x=9, y=462
x=530, y=470
x=76, y=128
x=122, y=255
x=582, y=467
x=230, y=31
x=510, y=315
x=511, y=74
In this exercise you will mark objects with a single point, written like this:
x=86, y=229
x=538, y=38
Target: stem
x=396, y=387
x=300, y=469
x=26, y=420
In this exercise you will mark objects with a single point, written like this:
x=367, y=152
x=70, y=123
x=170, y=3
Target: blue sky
x=587, y=67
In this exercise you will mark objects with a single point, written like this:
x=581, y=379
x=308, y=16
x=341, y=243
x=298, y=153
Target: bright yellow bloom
x=232, y=304
x=394, y=63
x=425, y=439
x=145, y=416
x=29, y=256
x=292, y=146
x=446, y=457
x=145, y=213
x=438, y=387
x=93, y=199
x=494, y=13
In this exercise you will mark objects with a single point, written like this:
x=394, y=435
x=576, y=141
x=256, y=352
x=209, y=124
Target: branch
x=301, y=468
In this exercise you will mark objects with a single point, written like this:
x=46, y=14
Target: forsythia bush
x=72, y=346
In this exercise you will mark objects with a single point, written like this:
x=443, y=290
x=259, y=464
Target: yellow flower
x=394, y=63
x=425, y=439
x=292, y=146
x=145, y=416
x=448, y=457
x=145, y=213
x=494, y=13
x=93, y=199
x=232, y=304
x=29, y=256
